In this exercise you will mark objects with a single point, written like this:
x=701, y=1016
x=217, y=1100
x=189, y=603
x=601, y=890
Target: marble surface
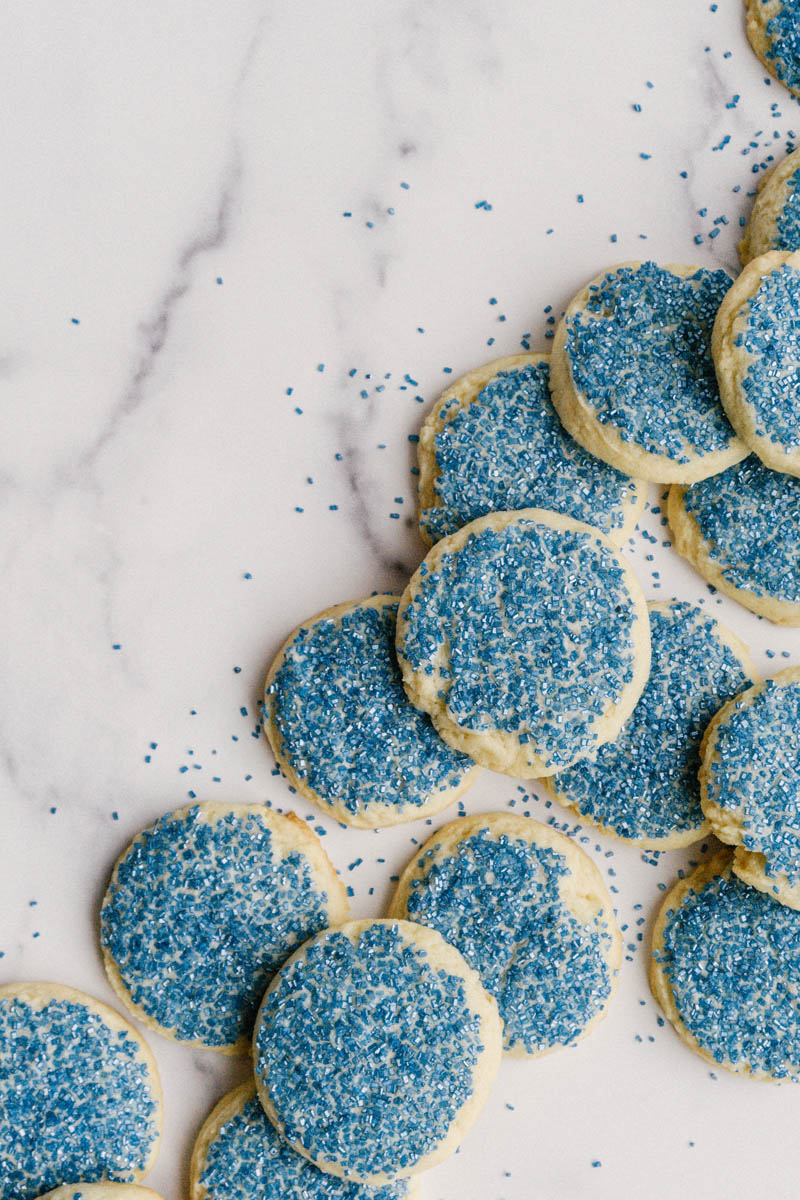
x=176, y=258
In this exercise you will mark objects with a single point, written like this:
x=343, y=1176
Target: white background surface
x=149, y=456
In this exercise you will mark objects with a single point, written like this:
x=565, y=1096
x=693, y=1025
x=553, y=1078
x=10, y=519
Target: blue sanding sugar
x=787, y=225
x=537, y=624
x=756, y=766
x=498, y=901
x=749, y=518
x=202, y=914
x=76, y=1100
x=345, y=723
x=783, y=33
x=248, y=1160
x=771, y=338
x=508, y=450
x=732, y=958
x=367, y=1050
x=640, y=352
x=644, y=784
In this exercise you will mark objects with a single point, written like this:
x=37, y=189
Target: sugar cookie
x=775, y=220
x=80, y=1095
x=239, y=1155
x=525, y=637
x=773, y=30
x=726, y=971
x=529, y=911
x=741, y=531
x=342, y=729
x=632, y=375
x=643, y=787
x=750, y=780
x=493, y=443
x=375, y=1049
x=202, y=909
x=100, y=1191
x=756, y=346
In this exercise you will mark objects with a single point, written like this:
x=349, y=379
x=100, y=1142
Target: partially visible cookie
x=375, y=1049
x=643, y=786
x=741, y=531
x=726, y=971
x=202, y=909
x=750, y=781
x=530, y=912
x=632, y=374
x=80, y=1095
x=775, y=220
x=525, y=637
x=773, y=30
x=493, y=443
x=341, y=726
x=239, y=1155
x=100, y=1191
x=756, y=346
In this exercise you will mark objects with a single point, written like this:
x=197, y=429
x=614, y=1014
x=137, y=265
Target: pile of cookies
x=523, y=645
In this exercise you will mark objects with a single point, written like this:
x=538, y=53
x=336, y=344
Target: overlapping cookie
x=529, y=911
x=773, y=30
x=775, y=220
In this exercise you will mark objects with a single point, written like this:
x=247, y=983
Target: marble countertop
x=245, y=247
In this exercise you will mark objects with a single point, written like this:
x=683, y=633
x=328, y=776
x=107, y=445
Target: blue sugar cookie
x=239, y=1155
x=773, y=29
x=741, y=531
x=726, y=971
x=342, y=729
x=80, y=1096
x=525, y=637
x=493, y=443
x=632, y=375
x=644, y=787
x=202, y=909
x=775, y=220
x=750, y=780
x=529, y=911
x=756, y=346
x=375, y=1049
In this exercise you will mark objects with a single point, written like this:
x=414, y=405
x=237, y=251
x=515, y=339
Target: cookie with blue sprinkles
x=375, y=1049
x=493, y=443
x=525, y=637
x=202, y=909
x=80, y=1096
x=643, y=787
x=239, y=1155
x=632, y=374
x=775, y=220
x=750, y=780
x=741, y=531
x=342, y=729
x=100, y=1191
x=773, y=30
x=725, y=969
x=756, y=345
x=529, y=911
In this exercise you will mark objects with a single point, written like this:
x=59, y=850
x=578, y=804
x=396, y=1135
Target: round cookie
x=239, y=1155
x=529, y=911
x=643, y=787
x=773, y=30
x=202, y=909
x=100, y=1191
x=342, y=729
x=756, y=346
x=493, y=443
x=775, y=220
x=375, y=1049
x=632, y=374
x=525, y=637
x=741, y=531
x=79, y=1092
x=750, y=781
x=726, y=971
